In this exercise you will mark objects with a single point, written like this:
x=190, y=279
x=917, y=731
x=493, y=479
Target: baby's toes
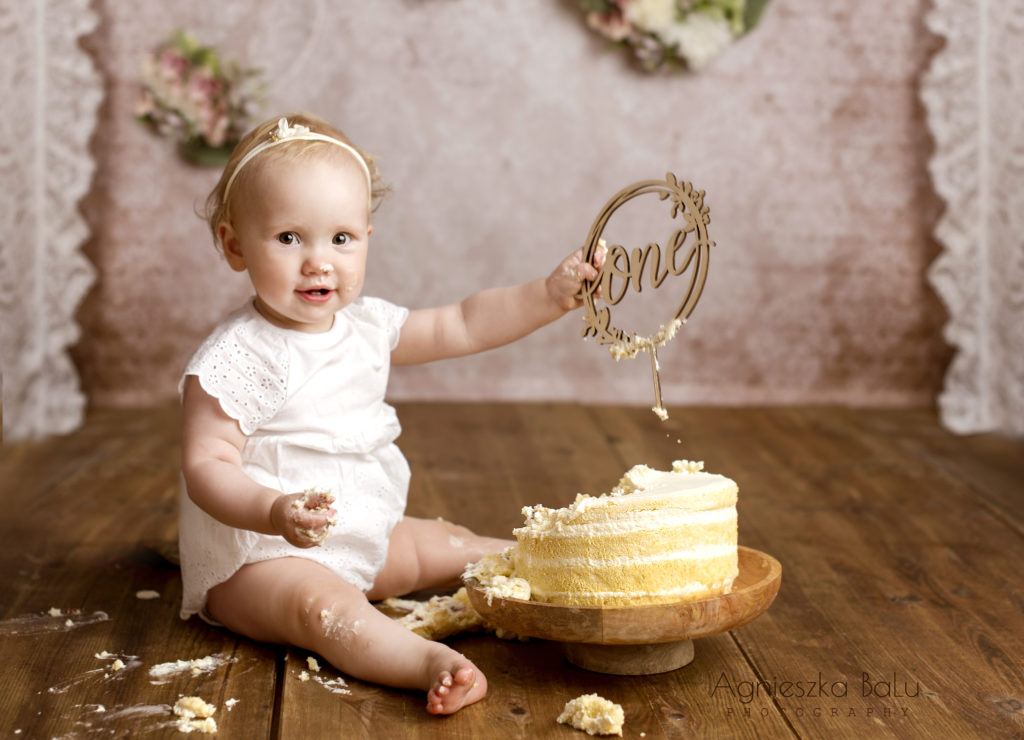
x=438, y=692
x=465, y=676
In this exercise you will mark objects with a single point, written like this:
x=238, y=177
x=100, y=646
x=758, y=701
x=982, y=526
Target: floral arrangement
x=191, y=95
x=667, y=34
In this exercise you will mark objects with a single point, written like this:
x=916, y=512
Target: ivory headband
x=285, y=132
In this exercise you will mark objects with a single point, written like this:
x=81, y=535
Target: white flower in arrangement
x=698, y=38
x=666, y=34
x=656, y=16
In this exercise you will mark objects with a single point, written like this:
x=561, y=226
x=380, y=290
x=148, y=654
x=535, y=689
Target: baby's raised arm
x=212, y=466
x=494, y=317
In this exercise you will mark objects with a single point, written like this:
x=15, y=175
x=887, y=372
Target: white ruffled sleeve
x=386, y=316
x=245, y=370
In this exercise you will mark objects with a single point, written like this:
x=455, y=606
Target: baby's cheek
x=349, y=288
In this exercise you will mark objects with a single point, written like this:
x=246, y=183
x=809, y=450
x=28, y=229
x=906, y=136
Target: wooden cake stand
x=637, y=640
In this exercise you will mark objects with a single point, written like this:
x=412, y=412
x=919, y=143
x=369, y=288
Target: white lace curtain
x=52, y=91
x=974, y=96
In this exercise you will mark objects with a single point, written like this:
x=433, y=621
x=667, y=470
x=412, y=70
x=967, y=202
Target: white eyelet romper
x=312, y=406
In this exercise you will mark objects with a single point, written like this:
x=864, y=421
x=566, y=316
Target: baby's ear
x=232, y=249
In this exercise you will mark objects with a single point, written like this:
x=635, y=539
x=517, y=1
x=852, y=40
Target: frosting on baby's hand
x=305, y=525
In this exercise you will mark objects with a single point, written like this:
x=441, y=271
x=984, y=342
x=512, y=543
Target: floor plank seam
x=280, y=671
x=999, y=514
x=761, y=679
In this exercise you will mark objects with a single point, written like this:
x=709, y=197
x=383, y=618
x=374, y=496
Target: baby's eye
x=341, y=240
x=287, y=238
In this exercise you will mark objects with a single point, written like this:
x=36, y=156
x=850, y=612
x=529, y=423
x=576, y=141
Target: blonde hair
x=218, y=203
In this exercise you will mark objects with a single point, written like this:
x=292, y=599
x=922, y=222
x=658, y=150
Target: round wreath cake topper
x=686, y=253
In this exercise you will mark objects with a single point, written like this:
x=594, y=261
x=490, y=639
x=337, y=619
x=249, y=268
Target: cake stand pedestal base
x=629, y=660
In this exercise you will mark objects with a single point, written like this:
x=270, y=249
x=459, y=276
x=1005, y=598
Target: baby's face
x=301, y=230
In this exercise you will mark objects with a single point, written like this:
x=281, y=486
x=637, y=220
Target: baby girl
x=292, y=518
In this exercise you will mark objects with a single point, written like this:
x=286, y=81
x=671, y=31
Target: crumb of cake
x=540, y=519
x=163, y=672
x=594, y=715
x=660, y=412
x=147, y=594
x=334, y=685
x=444, y=616
x=230, y=703
x=195, y=715
x=336, y=627
x=439, y=617
x=628, y=348
x=490, y=565
x=505, y=587
x=317, y=538
x=194, y=706
x=315, y=499
x=55, y=612
x=493, y=572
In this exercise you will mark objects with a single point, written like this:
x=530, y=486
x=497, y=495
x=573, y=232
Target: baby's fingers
x=599, y=254
x=318, y=499
x=314, y=519
x=588, y=271
x=313, y=528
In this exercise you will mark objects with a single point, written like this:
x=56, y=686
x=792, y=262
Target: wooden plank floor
x=901, y=611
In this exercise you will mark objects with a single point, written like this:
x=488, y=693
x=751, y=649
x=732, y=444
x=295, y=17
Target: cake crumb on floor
x=594, y=715
x=196, y=715
x=438, y=618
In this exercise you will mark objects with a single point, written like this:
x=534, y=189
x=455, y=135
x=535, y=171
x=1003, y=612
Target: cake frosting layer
x=657, y=537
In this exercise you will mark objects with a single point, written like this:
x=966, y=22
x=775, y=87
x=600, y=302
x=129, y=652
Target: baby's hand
x=304, y=519
x=565, y=284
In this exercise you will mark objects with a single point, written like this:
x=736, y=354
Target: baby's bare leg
x=429, y=553
x=299, y=602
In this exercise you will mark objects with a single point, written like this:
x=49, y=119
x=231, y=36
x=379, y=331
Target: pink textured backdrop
x=503, y=128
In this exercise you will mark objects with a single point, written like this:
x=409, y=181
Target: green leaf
x=752, y=13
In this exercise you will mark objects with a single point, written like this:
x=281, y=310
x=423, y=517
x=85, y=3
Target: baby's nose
x=317, y=262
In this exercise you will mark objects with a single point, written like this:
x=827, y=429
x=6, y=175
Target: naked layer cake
x=657, y=537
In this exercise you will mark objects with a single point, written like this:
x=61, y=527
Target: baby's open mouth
x=317, y=295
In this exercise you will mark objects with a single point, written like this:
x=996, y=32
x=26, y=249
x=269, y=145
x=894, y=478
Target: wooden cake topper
x=686, y=251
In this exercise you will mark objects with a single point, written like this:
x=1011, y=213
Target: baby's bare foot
x=453, y=691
